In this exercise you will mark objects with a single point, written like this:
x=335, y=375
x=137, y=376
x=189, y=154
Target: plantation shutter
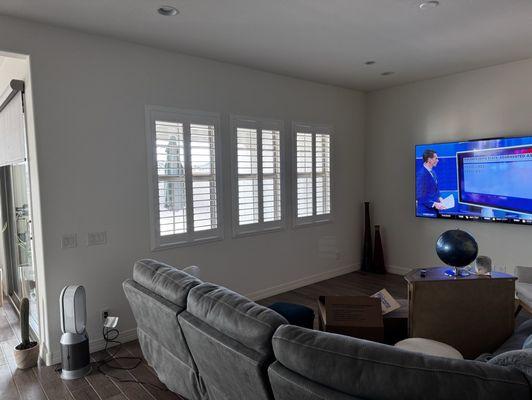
x=203, y=176
x=312, y=173
x=305, y=176
x=248, y=177
x=185, y=181
x=170, y=151
x=323, y=173
x=271, y=175
x=257, y=173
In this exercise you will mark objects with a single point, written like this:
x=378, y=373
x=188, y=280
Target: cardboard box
x=357, y=316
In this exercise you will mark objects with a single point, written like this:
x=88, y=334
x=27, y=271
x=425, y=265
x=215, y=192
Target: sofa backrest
x=157, y=294
x=230, y=339
x=312, y=364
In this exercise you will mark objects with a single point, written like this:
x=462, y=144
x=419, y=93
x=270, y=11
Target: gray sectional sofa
x=208, y=343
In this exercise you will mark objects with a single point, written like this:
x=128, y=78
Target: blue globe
x=456, y=248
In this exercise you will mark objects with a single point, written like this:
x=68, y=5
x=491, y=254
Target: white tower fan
x=75, y=359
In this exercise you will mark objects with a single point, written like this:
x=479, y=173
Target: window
x=184, y=176
x=312, y=170
x=257, y=175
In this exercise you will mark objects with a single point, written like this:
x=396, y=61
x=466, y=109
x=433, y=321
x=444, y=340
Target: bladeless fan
x=75, y=359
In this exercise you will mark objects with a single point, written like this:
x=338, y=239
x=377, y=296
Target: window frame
x=313, y=129
x=260, y=124
x=186, y=117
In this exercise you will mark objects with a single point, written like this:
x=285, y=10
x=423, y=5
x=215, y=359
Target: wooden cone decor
x=366, y=264
x=378, y=255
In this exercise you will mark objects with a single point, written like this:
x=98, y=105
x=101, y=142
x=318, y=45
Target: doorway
x=16, y=227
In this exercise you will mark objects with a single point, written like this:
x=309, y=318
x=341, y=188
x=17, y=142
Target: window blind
x=12, y=128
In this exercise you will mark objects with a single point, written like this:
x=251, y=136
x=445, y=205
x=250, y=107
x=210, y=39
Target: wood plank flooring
x=353, y=284
x=44, y=383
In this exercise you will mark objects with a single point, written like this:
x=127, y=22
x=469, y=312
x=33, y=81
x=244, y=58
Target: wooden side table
x=474, y=314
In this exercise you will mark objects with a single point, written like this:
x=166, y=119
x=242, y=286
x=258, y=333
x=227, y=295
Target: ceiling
x=321, y=40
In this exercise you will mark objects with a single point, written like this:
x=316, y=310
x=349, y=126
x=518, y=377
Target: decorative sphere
x=456, y=248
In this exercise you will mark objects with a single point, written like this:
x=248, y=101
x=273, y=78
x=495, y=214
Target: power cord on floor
x=110, y=335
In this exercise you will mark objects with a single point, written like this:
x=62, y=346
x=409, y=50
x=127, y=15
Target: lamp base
x=457, y=272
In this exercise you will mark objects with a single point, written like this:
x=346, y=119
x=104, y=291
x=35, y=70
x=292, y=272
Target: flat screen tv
x=478, y=180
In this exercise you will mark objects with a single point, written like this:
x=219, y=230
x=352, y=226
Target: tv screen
x=479, y=180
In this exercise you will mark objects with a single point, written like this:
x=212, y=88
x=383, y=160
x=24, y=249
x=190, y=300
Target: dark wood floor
x=353, y=284
x=43, y=382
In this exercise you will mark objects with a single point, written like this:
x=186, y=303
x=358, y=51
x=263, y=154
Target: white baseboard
x=395, y=269
x=308, y=280
x=94, y=345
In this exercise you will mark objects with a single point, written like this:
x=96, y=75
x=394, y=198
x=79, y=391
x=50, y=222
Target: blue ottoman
x=295, y=314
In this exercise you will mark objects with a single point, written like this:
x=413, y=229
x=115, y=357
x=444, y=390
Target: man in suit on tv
x=428, y=198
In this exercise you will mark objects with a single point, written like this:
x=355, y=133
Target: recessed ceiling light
x=168, y=11
x=369, y=62
x=387, y=73
x=429, y=4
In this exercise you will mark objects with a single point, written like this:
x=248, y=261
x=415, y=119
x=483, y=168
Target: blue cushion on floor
x=295, y=314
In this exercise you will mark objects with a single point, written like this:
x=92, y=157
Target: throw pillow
x=519, y=359
x=528, y=343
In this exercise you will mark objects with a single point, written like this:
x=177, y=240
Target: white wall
x=11, y=68
x=89, y=96
x=490, y=102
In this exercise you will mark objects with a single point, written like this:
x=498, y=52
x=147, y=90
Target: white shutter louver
x=323, y=174
x=305, y=176
x=202, y=155
x=271, y=175
x=248, y=182
x=170, y=153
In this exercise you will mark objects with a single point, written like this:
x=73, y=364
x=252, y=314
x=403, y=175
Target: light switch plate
x=96, y=238
x=69, y=241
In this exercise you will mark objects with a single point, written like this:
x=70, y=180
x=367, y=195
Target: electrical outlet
x=96, y=238
x=104, y=314
x=69, y=241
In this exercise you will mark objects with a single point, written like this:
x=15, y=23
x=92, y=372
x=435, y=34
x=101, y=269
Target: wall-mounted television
x=477, y=180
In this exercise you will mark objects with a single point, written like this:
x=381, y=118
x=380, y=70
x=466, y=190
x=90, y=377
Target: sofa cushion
x=352, y=366
x=234, y=315
x=164, y=280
